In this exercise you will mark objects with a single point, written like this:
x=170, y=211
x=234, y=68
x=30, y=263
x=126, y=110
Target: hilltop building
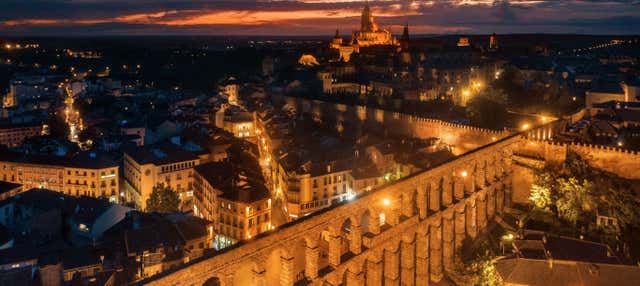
x=370, y=34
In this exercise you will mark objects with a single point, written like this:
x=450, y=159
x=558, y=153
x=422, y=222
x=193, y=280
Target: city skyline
x=315, y=17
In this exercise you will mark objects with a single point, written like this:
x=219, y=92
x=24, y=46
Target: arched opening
x=444, y=199
x=213, y=281
x=343, y=281
x=299, y=253
x=273, y=266
x=365, y=221
x=349, y=242
x=245, y=274
x=409, y=203
x=323, y=251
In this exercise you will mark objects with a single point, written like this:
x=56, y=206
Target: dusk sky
x=314, y=17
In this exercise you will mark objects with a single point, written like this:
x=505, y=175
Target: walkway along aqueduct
x=404, y=233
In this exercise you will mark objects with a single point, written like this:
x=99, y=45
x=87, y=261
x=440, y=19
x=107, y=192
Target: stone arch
x=422, y=200
x=247, y=273
x=213, y=281
x=373, y=268
x=408, y=202
x=366, y=220
x=351, y=236
x=324, y=242
x=391, y=262
x=353, y=274
x=298, y=250
x=278, y=267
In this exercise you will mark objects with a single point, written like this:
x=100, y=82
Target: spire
x=404, y=39
x=337, y=33
x=405, y=32
x=367, y=24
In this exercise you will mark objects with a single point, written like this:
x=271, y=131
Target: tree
x=163, y=199
x=541, y=196
x=488, y=109
x=575, y=199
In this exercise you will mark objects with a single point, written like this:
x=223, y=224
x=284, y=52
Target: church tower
x=404, y=40
x=367, y=24
x=336, y=42
x=405, y=55
x=493, y=42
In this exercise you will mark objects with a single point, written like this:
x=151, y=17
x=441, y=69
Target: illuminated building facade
x=149, y=166
x=236, y=121
x=368, y=35
x=88, y=174
x=236, y=200
x=493, y=42
x=12, y=135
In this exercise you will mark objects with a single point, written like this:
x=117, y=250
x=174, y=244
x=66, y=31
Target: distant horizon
x=318, y=36
x=315, y=17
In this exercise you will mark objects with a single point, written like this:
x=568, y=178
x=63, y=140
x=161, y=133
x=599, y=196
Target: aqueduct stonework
x=404, y=233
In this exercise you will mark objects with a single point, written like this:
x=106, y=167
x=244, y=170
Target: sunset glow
x=318, y=17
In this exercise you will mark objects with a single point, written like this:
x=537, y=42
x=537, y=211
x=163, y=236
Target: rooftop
x=538, y=272
x=7, y=186
x=88, y=160
x=159, y=154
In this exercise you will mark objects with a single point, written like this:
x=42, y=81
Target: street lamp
x=464, y=174
x=507, y=238
x=386, y=202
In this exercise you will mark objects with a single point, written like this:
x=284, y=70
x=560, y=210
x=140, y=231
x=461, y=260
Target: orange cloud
x=229, y=17
x=245, y=17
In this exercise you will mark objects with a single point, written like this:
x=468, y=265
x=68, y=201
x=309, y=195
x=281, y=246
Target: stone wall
x=622, y=162
x=533, y=154
x=462, y=137
x=403, y=233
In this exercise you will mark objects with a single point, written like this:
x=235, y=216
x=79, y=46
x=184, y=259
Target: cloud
x=313, y=17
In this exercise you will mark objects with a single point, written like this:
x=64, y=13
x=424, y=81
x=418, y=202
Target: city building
x=233, y=119
x=8, y=190
x=52, y=238
x=12, y=134
x=234, y=196
x=85, y=174
x=154, y=242
x=493, y=42
x=542, y=259
x=369, y=35
x=148, y=166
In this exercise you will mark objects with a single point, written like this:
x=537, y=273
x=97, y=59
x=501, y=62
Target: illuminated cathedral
x=368, y=35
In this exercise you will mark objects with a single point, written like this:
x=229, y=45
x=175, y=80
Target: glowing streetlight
x=464, y=174
x=620, y=143
x=386, y=202
x=466, y=93
x=507, y=238
x=525, y=126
